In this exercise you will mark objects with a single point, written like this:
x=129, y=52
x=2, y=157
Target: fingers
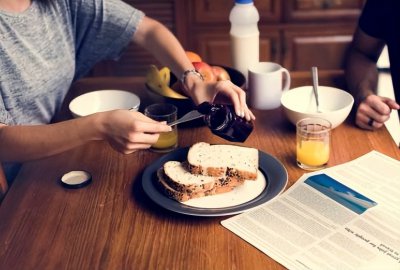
x=223, y=92
x=129, y=148
x=366, y=122
x=378, y=104
x=373, y=112
x=237, y=97
x=392, y=104
x=150, y=127
x=129, y=131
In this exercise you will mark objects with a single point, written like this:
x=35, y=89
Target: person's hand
x=374, y=111
x=223, y=92
x=128, y=131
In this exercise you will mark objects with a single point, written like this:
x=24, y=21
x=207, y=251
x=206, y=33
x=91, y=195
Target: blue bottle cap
x=243, y=1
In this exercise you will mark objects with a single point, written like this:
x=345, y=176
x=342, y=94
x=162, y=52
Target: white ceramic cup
x=267, y=81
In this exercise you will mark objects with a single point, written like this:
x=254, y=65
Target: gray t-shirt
x=45, y=48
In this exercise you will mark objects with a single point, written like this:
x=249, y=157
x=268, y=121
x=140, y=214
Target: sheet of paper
x=344, y=217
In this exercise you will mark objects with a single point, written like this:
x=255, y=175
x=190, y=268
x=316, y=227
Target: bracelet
x=187, y=72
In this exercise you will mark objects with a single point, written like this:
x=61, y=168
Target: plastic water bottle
x=245, y=36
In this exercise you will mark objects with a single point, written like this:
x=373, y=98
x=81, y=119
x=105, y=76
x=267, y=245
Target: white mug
x=265, y=85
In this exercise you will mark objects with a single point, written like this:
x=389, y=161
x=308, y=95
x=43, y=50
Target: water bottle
x=245, y=36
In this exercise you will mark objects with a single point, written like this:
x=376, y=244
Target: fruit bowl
x=335, y=104
x=167, y=94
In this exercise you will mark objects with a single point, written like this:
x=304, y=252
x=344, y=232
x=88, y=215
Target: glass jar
x=224, y=122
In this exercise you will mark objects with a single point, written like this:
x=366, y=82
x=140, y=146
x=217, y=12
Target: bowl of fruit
x=163, y=85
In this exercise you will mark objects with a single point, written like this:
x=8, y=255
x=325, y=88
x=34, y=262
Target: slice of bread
x=178, y=195
x=179, y=184
x=223, y=160
x=179, y=178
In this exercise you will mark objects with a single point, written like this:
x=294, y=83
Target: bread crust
x=221, y=185
x=204, y=183
x=187, y=180
x=195, y=166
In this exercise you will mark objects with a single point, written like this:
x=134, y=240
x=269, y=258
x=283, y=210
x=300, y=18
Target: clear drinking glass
x=167, y=141
x=313, y=143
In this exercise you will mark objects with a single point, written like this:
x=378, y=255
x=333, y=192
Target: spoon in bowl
x=314, y=71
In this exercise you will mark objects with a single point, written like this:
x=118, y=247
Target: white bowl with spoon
x=334, y=104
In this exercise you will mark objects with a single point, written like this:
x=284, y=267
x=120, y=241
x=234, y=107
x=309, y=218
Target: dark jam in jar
x=223, y=122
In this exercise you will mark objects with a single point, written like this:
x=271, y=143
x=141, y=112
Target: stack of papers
x=343, y=217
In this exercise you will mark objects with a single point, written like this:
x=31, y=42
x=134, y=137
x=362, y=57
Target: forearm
x=361, y=70
x=361, y=75
x=163, y=45
x=23, y=143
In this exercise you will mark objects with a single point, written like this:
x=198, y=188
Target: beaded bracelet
x=187, y=72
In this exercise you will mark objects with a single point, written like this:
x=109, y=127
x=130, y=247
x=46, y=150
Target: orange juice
x=164, y=112
x=313, y=143
x=312, y=153
x=167, y=140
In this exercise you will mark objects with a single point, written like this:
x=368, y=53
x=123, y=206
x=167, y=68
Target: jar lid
x=76, y=179
x=244, y=1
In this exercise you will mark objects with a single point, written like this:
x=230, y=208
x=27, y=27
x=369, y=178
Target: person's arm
x=126, y=131
x=165, y=47
x=362, y=73
x=3, y=184
x=362, y=79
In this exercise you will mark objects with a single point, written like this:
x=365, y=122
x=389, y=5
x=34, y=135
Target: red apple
x=205, y=70
x=220, y=73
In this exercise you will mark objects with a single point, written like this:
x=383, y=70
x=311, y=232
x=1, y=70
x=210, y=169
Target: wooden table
x=112, y=224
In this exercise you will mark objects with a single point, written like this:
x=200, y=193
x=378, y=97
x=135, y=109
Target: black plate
x=273, y=170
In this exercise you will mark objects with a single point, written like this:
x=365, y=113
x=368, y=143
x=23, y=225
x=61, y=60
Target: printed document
x=343, y=217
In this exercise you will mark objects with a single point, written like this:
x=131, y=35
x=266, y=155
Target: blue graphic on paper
x=342, y=194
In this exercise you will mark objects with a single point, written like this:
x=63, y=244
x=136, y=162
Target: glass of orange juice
x=313, y=143
x=167, y=141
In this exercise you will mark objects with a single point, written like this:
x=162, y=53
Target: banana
x=153, y=79
x=165, y=74
x=158, y=81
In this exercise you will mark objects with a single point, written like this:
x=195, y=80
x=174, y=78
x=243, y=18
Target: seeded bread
x=180, y=185
x=177, y=195
x=179, y=178
x=223, y=160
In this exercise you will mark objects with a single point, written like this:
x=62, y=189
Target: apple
x=206, y=71
x=193, y=57
x=220, y=73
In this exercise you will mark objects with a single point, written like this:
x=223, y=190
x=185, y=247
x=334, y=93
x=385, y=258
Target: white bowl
x=335, y=104
x=103, y=100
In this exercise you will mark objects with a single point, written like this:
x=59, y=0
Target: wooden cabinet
x=297, y=34
x=320, y=11
x=315, y=46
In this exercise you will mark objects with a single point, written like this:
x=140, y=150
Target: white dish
x=274, y=175
x=103, y=100
x=241, y=194
x=335, y=104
